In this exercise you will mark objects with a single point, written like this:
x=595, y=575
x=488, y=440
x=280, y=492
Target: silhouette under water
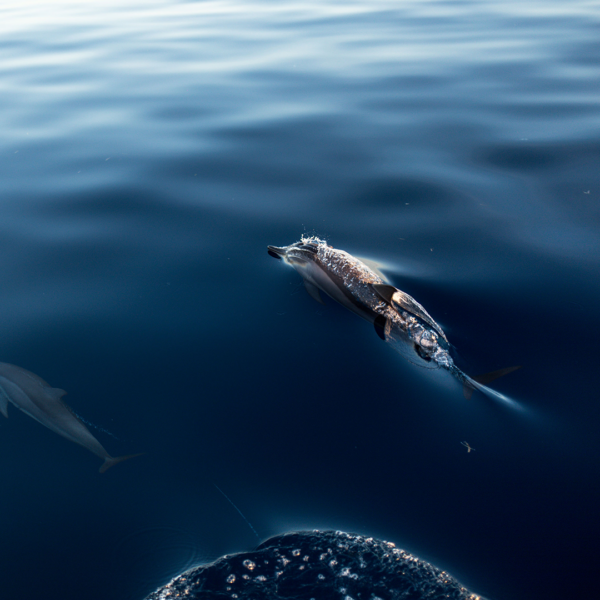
x=41, y=402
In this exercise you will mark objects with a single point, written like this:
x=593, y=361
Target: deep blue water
x=149, y=153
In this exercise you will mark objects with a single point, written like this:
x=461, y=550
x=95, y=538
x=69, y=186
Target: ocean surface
x=150, y=151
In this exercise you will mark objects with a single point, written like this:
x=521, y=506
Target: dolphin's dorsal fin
x=313, y=290
x=55, y=393
x=393, y=295
x=386, y=292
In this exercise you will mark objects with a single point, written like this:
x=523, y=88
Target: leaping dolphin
x=398, y=318
x=36, y=398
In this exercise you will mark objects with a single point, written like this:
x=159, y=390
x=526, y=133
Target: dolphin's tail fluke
x=111, y=461
x=470, y=384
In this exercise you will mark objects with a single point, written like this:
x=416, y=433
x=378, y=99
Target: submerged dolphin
x=398, y=318
x=36, y=398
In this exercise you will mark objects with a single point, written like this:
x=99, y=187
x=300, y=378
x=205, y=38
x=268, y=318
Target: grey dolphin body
x=398, y=318
x=36, y=398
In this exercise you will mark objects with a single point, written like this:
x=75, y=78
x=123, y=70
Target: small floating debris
x=466, y=445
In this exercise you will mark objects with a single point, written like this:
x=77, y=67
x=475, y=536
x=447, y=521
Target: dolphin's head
x=298, y=254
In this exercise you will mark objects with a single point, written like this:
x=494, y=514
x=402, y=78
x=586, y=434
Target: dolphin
x=398, y=318
x=36, y=398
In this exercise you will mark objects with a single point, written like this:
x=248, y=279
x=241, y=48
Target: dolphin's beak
x=276, y=252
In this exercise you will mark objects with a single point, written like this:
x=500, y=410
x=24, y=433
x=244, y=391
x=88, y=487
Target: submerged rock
x=317, y=565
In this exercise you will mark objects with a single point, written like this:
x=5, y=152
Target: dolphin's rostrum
x=398, y=318
x=36, y=398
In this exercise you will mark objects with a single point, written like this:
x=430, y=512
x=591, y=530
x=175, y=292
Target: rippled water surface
x=149, y=153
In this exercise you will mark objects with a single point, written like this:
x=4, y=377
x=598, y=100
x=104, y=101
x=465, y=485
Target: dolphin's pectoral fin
x=380, y=323
x=393, y=295
x=3, y=403
x=485, y=379
x=313, y=290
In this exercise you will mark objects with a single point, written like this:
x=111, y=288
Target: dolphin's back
x=27, y=380
x=349, y=279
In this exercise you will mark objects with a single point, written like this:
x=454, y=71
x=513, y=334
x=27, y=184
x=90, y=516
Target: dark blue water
x=149, y=153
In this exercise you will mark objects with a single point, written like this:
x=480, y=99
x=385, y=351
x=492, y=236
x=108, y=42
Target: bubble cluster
x=319, y=566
